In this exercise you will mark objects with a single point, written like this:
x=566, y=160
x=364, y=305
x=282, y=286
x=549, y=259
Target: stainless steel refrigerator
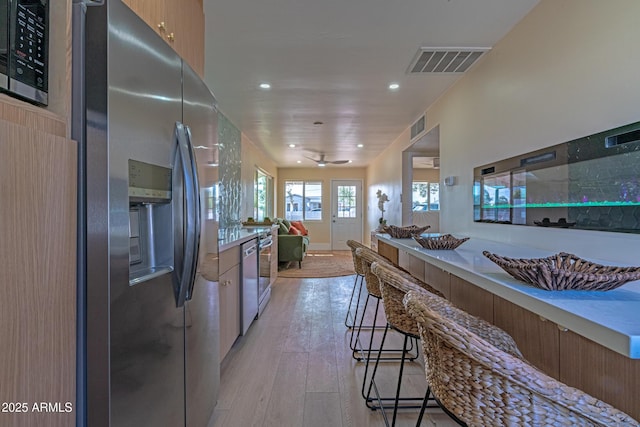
x=148, y=322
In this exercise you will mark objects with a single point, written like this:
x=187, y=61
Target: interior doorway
x=421, y=167
x=346, y=213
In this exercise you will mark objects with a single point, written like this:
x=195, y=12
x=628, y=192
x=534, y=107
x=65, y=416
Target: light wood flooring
x=294, y=367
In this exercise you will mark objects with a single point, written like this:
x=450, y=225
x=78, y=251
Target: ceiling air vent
x=445, y=60
x=417, y=128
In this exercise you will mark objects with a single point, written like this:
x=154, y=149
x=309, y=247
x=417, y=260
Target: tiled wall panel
x=230, y=197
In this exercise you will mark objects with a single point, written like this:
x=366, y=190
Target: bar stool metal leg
x=417, y=402
x=353, y=291
x=425, y=405
x=361, y=326
x=352, y=342
x=369, y=349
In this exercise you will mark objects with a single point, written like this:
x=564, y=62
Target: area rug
x=320, y=264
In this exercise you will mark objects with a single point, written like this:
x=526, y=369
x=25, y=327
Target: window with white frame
x=425, y=196
x=303, y=200
x=210, y=202
x=263, y=194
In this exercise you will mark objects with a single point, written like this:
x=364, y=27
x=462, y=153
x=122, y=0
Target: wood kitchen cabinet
x=572, y=358
x=412, y=264
x=188, y=20
x=179, y=22
x=568, y=356
x=152, y=12
x=438, y=278
x=600, y=372
x=536, y=337
x=229, y=289
x=38, y=229
x=388, y=251
x=37, y=274
x=471, y=298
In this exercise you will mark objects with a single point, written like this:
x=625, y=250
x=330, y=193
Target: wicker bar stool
x=367, y=257
x=480, y=384
x=357, y=266
x=491, y=333
x=394, y=284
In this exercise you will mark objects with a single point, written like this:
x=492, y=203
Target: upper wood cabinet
x=179, y=22
x=188, y=19
x=151, y=11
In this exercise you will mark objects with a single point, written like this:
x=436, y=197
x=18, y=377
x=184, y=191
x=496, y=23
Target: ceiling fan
x=322, y=162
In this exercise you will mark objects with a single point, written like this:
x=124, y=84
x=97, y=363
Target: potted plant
x=382, y=199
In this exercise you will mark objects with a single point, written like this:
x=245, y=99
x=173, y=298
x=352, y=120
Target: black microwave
x=24, y=49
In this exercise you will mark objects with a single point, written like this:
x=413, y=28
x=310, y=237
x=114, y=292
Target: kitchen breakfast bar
x=586, y=339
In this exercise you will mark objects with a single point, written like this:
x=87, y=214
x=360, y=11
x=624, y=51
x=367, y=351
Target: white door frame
x=359, y=210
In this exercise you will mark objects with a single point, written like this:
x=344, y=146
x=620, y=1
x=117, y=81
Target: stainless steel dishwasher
x=249, y=295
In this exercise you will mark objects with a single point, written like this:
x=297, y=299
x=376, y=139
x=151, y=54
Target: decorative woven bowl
x=443, y=242
x=563, y=271
x=404, y=232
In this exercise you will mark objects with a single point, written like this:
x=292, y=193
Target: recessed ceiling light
x=360, y=145
x=394, y=86
x=292, y=145
x=265, y=86
x=350, y=161
x=299, y=161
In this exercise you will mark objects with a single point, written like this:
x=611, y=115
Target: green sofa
x=291, y=247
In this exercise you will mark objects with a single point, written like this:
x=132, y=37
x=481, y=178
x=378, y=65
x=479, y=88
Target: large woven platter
x=404, y=232
x=443, y=242
x=563, y=271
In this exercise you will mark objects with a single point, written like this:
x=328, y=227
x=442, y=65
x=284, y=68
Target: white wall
x=568, y=69
x=385, y=173
x=252, y=157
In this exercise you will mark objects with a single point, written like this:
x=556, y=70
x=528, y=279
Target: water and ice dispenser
x=150, y=221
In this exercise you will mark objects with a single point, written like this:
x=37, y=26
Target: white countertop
x=235, y=236
x=610, y=318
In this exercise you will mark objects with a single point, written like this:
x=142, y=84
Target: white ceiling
x=332, y=61
x=420, y=162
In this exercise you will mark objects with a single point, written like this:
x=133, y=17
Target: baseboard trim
x=319, y=246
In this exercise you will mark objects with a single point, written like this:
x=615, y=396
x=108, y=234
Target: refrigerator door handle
x=185, y=273
x=197, y=219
